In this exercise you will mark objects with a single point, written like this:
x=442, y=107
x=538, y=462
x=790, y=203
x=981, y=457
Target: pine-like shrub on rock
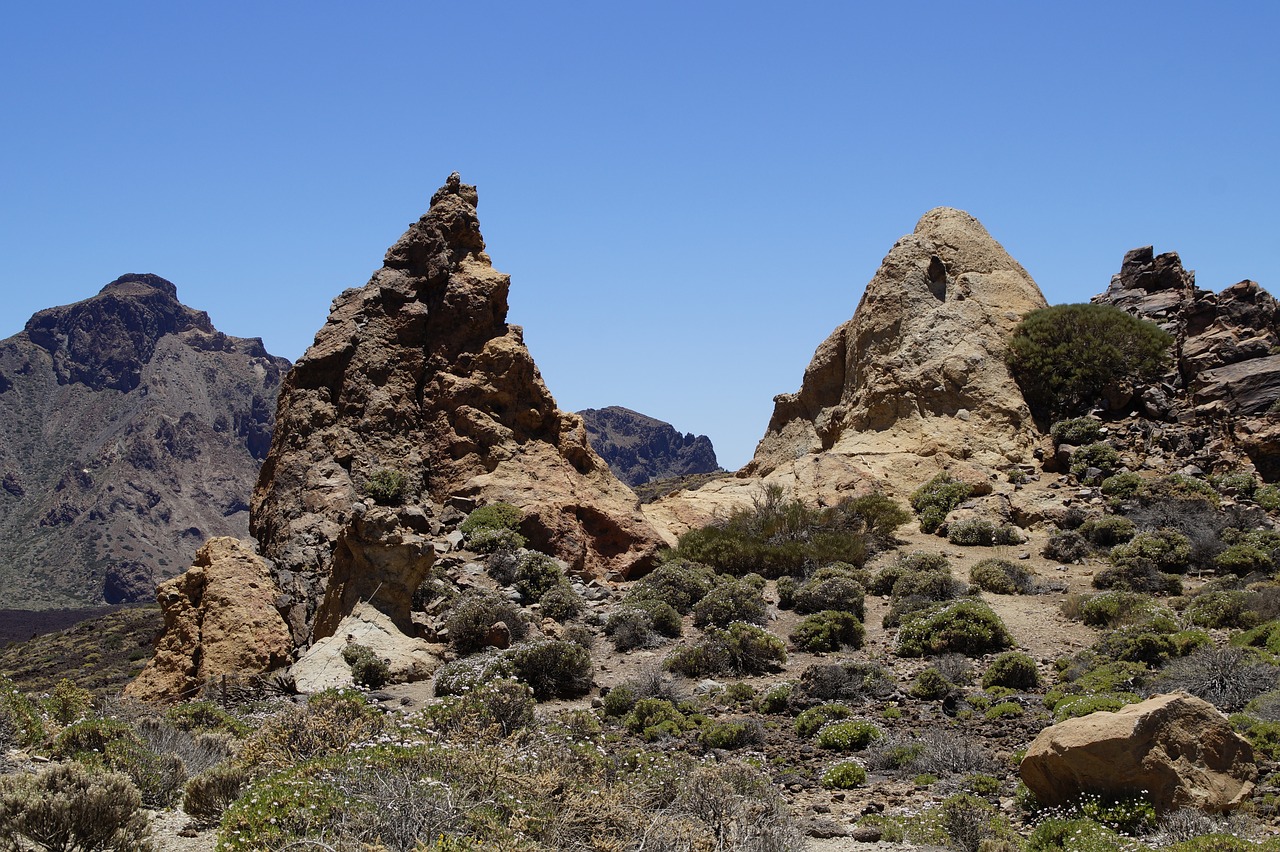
x=367, y=669
x=1064, y=358
x=963, y=627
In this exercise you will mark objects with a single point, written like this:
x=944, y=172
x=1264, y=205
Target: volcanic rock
x=219, y=619
x=920, y=366
x=133, y=430
x=639, y=449
x=408, y=659
x=418, y=375
x=1174, y=750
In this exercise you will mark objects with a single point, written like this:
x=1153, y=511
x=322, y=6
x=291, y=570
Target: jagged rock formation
x=912, y=384
x=132, y=431
x=639, y=449
x=920, y=367
x=1224, y=375
x=219, y=619
x=1177, y=750
x=419, y=373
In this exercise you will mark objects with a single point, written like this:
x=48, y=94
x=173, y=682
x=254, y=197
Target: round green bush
x=1065, y=358
x=1076, y=431
x=554, y=668
x=936, y=498
x=562, y=603
x=730, y=600
x=1012, y=669
x=828, y=631
x=1001, y=577
x=845, y=775
x=1168, y=549
x=477, y=611
x=1229, y=609
x=1108, y=531
x=776, y=699
x=825, y=591
x=730, y=734
x=1100, y=456
x=930, y=685
x=847, y=735
x=971, y=532
x=1067, y=546
x=680, y=584
x=810, y=721
x=962, y=627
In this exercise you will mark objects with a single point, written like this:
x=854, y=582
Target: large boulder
x=417, y=377
x=408, y=659
x=1173, y=750
x=219, y=619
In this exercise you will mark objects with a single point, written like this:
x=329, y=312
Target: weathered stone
x=219, y=619
x=1173, y=750
x=408, y=659
x=419, y=373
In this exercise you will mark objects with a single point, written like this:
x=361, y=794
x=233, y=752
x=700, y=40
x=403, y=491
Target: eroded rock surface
x=419, y=374
x=220, y=618
x=1175, y=750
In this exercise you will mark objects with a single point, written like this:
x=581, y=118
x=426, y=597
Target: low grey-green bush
x=1012, y=669
x=1001, y=577
x=553, y=668
x=964, y=627
x=1076, y=431
x=936, y=498
x=830, y=630
x=728, y=601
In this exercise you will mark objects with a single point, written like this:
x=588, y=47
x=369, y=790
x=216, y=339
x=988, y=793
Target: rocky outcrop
x=639, y=449
x=1224, y=359
x=418, y=375
x=1174, y=750
x=133, y=431
x=920, y=366
x=408, y=659
x=219, y=619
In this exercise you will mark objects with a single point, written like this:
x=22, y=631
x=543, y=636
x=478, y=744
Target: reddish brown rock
x=1174, y=750
x=219, y=619
x=418, y=372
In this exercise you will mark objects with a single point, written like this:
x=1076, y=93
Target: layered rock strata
x=418, y=378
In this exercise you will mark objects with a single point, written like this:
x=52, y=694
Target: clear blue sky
x=689, y=196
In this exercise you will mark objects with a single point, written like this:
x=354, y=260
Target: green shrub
x=964, y=627
x=1243, y=558
x=1101, y=457
x=730, y=600
x=205, y=717
x=1111, y=609
x=458, y=677
x=1003, y=710
x=936, y=498
x=845, y=775
x=880, y=515
x=1265, y=635
x=776, y=536
x=1241, y=482
x=1067, y=546
x=828, y=631
x=679, y=584
x=1076, y=431
x=1072, y=706
x=1012, y=669
x=930, y=685
x=916, y=590
x=1167, y=549
x=207, y=795
x=385, y=486
x=1137, y=575
x=730, y=734
x=1122, y=486
x=68, y=703
x=972, y=532
x=553, y=668
x=776, y=699
x=536, y=574
x=829, y=589
x=1064, y=358
x=1001, y=577
x=631, y=627
x=502, y=704
x=655, y=718
x=847, y=735
x=1076, y=834
x=67, y=807
x=741, y=648
x=366, y=668
x=1137, y=644
x=20, y=720
x=1229, y=609
x=810, y=721
x=494, y=527
x=1268, y=497
x=562, y=603
x=475, y=613
x=1108, y=531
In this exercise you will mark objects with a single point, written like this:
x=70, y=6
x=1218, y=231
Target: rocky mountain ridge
x=640, y=449
x=133, y=430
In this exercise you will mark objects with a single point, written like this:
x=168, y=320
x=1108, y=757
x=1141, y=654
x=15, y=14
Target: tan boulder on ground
x=408, y=659
x=219, y=619
x=1174, y=750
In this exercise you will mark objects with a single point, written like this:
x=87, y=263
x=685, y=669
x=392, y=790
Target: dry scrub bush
x=331, y=721
x=1228, y=678
x=68, y=808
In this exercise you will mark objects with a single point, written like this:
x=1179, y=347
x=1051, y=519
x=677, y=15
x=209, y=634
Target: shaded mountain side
x=640, y=449
x=131, y=431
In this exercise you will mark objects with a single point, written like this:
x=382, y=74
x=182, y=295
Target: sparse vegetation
x=934, y=500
